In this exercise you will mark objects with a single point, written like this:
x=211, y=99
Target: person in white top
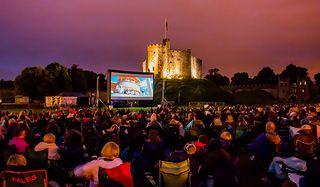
x=49, y=143
x=109, y=159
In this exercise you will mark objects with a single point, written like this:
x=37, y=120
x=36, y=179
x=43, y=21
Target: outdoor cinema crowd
x=86, y=147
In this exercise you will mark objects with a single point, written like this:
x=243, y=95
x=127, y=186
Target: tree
x=293, y=72
x=6, y=84
x=91, y=79
x=241, y=78
x=266, y=76
x=217, y=78
x=213, y=71
x=60, y=77
x=317, y=79
x=78, y=79
x=102, y=82
x=34, y=82
x=183, y=91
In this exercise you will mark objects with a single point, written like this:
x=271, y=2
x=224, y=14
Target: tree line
x=265, y=76
x=55, y=78
x=37, y=82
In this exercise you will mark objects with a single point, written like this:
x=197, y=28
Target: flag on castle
x=166, y=25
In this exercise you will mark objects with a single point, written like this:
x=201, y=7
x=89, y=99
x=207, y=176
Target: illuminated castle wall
x=167, y=63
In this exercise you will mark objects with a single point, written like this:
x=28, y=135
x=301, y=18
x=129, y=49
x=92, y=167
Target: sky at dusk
x=232, y=35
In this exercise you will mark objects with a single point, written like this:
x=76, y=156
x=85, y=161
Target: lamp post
x=97, y=95
x=163, y=99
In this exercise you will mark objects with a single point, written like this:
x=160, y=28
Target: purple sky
x=231, y=35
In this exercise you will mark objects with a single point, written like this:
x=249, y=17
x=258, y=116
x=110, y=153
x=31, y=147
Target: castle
x=284, y=91
x=171, y=64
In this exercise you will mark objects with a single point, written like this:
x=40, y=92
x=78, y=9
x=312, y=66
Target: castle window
x=281, y=84
x=305, y=82
x=302, y=90
x=300, y=83
x=153, y=68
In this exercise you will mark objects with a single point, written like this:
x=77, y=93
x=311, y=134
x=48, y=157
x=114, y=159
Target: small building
x=298, y=91
x=67, y=100
x=20, y=99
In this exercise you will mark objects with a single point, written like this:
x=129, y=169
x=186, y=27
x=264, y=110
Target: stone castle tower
x=170, y=64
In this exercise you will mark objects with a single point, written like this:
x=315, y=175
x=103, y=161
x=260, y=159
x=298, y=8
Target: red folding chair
x=32, y=178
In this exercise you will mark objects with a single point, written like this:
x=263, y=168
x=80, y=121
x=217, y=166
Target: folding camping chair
x=174, y=174
x=305, y=150
x=119, y=176
x=37, y=159
x=32, y=178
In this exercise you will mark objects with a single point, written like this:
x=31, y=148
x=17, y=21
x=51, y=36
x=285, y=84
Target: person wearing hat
x=304, y=135
x=109, y=159
x=216, y=127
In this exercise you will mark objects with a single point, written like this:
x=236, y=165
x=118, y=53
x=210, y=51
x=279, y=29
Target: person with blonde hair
x=155, y=125
x=49, y=143
x=17, y=160
x=226, y=136
x=109, y=159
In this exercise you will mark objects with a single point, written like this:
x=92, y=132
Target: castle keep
x=171, y=64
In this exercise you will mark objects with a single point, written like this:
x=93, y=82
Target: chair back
x=240, y=132
x=195, y=132
x=37, y=159
x=174, y=174
x=305, y=150
x=119, y=176
x=33, y=178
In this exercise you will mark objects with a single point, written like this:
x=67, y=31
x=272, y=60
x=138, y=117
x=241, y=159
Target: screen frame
x=109, y=99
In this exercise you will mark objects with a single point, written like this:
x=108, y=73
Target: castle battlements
x=180, y=51
x=155, y=45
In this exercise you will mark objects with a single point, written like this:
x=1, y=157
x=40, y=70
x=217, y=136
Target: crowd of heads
x=78, y=135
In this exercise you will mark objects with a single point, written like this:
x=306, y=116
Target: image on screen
x=127, y=86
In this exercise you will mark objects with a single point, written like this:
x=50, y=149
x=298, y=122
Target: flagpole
x=165, y=28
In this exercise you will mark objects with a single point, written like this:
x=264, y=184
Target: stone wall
x=196, y=65
x=154, y=60
x=178, y=64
